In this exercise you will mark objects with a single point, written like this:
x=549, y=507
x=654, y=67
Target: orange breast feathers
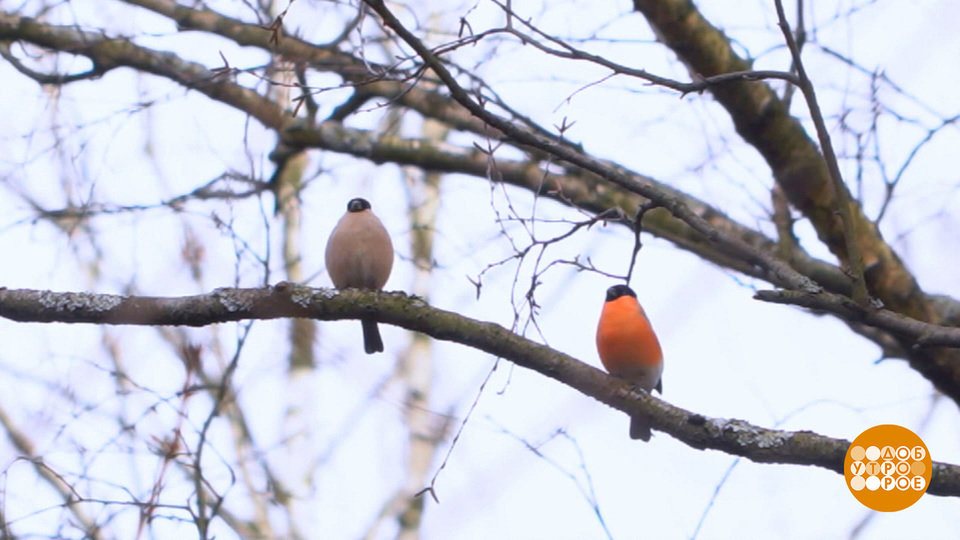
x=627, y=345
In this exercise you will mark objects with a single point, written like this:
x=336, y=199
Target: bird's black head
x=619, y=290
x=358, y=205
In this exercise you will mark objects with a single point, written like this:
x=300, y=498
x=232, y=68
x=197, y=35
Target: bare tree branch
x=285, y=300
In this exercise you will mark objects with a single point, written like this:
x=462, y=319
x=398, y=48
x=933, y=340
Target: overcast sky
x=727, y=355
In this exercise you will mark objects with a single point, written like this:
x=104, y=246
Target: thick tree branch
x=286, y=300
x=919, y=333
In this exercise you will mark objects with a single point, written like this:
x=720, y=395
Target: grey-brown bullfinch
x=360, y=256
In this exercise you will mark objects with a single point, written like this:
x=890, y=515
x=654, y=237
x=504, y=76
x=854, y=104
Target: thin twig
x=637, y=227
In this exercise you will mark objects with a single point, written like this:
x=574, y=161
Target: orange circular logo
x=888, y=468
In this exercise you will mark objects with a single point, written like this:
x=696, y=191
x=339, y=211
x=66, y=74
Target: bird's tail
x=371, y=337
x=639, y=429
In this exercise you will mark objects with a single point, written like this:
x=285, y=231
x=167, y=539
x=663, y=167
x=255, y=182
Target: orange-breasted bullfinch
x=360, y=256
x=629, y=348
